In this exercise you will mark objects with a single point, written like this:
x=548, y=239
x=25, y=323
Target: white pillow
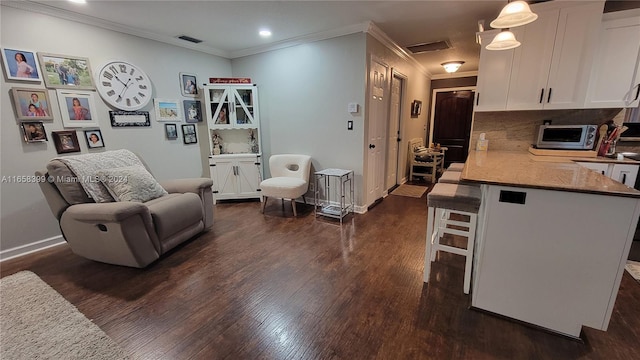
x=131, y=183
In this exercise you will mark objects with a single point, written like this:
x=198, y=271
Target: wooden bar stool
x=456, y=167
x=443, y=200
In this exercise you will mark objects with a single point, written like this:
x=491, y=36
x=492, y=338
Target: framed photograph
x=34, y=131
x=192, y=112
x=416, y=108
x=171, y=130
x=66, y=72
x=188, y=85
x=129, y=118
x=189, y=134
x=94, y=139
x=167, y=110
x=66, y=141
x=78, y=108
x=31, y=104
x=21, y=65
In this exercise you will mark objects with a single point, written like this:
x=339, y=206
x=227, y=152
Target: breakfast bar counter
x=552, y=240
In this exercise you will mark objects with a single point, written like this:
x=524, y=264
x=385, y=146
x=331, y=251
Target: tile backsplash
x=517, y=130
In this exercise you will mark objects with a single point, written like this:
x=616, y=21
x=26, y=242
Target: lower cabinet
x=623, y=173
x=236, y=176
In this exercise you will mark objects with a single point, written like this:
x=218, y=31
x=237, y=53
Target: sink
x=631, y=155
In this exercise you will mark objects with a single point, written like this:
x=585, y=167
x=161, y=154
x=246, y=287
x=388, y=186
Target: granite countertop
x=522, y=169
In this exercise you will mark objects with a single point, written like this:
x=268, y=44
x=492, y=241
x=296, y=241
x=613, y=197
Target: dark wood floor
x=276, y=287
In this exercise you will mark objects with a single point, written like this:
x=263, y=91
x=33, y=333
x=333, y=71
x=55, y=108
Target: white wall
x=304, y=91
x=25, y=216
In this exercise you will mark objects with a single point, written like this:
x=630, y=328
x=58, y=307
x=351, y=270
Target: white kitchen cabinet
x=615, y=75
x=236, y=176
x=493, y=77
x=551, y=68
x=231, y=106
x=623, y=173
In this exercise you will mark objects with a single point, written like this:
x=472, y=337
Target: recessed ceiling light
x=265, y=33
x=79, y=1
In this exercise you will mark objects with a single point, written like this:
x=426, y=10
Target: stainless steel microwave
x=574, y=137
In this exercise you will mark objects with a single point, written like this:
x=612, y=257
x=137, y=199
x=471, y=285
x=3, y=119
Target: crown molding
x=109, y=25
x=454, y=75
x=323, y=35
x=381, y=36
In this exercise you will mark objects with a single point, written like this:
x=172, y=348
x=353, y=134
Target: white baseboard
x=31, y=248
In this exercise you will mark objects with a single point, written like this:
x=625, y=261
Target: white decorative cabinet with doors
x=233, y=126
x=615, y=76
x=551, y=68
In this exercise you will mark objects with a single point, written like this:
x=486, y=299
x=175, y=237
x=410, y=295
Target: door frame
x=400, y=156
x=433, y=108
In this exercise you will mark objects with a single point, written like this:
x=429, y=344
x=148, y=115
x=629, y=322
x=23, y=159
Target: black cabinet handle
x=602, y=172
x=477, y=99
x=549, y=97
x=624, y=178
x=541, y=95
x=372, y=146
x=637, y=92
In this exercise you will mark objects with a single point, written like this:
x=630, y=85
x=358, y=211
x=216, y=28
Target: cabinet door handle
x=541, y=95
x=624, y=178
x=602, y=172
x=637, y=92
x=549, y=96
x=477, y=99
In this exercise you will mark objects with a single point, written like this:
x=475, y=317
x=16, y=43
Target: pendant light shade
x=505, y=40
x=516, y=13
x=452, y=66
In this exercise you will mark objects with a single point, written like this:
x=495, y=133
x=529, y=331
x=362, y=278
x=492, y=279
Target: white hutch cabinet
x=233, y=126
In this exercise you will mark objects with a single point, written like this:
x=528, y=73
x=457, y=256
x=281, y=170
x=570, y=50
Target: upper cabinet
x=615, y=76
x=551, y=68
x=493, y=81
x=231, y=106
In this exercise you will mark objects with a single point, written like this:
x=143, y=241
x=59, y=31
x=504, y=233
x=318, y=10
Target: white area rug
x=633, y=268
x=38, y=323
x=410, y=190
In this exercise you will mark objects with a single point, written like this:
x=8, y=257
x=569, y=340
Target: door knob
x=372, y=146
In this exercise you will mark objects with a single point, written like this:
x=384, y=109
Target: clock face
x=124, y=85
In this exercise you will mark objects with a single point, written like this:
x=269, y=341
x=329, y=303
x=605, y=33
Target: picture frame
x=24, y=98
x=66, y=72
x=66, y=141
x=94, y=138
x=416, y=108
x=78, y=108
x=192, y=111
x=167, y=109
x=34, y=131
x=189, y=135
x=188, y=84
x=27, y=69
x=122, y=118
x=171, y=131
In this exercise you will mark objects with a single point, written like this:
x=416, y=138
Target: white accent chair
x=290, y=179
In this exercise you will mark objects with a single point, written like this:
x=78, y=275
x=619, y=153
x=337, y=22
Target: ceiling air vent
x=189, y=39
x=432, y=46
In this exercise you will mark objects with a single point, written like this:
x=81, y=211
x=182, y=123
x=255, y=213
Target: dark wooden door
x=452, y=123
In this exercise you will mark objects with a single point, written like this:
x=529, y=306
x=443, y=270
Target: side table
x=336, y=209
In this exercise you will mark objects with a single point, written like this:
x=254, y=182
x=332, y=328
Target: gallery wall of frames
x=122, y=85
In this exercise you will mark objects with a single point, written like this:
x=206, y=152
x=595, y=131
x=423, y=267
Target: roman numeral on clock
x=106, y=83
x=128, y=102
x=123, y=68
x=111, y=93
x=113, y=69
x=108, y=75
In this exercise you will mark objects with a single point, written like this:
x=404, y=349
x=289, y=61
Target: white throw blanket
x=87, y=166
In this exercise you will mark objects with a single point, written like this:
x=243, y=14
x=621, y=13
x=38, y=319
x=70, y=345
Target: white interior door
x=377, y=122
x=394, y=132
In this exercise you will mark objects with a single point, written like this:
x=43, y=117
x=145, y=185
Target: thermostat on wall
x=353, y=107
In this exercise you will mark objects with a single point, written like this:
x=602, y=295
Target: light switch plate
x=350, y=125
x=353, y=107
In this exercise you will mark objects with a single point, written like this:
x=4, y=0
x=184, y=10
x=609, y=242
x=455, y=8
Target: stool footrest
x=451, y=249
x=455, y=231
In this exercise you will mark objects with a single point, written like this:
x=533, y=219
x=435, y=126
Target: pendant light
x=505, y=40
x=452, y=66
x=516, y=13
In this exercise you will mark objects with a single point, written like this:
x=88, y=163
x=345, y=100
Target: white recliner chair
x=290, y=179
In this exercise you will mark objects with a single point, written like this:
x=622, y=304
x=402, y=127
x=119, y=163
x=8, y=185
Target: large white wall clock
x=124, y=85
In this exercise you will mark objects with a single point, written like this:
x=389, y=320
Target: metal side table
x=326, y=207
